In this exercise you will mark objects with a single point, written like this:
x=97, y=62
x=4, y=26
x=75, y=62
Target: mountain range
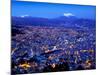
x=61, y=21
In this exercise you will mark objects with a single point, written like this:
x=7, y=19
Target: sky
x=51, y=10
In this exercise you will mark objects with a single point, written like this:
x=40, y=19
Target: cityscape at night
x=49, y=37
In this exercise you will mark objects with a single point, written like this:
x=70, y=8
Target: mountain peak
x=22, y=16
x=68, y=14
